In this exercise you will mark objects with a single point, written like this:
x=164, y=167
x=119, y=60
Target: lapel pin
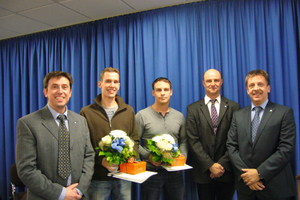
x=225, y=106
x=271, y=110
x=75, y=122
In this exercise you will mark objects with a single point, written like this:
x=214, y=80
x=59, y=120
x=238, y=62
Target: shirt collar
x=207, y=99
x=263, y=105
x=55, y=114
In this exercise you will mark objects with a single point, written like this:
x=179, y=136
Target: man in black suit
x=261, y=143
x=207, y=127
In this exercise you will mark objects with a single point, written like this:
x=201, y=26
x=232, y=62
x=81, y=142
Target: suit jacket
x=37, y=154
x=207, y=148
x=270, y=153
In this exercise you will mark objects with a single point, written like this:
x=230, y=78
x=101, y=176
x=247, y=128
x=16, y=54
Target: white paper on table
x=137, y=178
x=176, y=168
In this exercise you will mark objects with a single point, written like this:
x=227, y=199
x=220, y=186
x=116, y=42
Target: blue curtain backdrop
x=181, y=43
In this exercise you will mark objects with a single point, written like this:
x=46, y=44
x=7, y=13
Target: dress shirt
x=217, y=103
x=55, y=115
x=263, y=106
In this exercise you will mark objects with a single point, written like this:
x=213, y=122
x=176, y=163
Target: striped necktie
x=214, y=115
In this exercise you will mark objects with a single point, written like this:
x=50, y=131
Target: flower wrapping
x=179, y=161
x=163, y=148
x=117, y=147
x=133, y=168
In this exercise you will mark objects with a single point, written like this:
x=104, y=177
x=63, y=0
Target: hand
x=72, y=193
x=250, y=176
x=216, y=170
x=257, y=186
x=106, y=164
x=154, y=162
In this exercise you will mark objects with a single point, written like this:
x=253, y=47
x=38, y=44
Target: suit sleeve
x=88, y=162
x=233, y=148
x=32, y=177
x=285, y=150
x=224, y=160
x=195, y=145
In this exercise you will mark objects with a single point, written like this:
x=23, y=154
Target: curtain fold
x=179, y=42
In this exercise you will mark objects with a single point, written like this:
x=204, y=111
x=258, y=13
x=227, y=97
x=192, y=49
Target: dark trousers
x=256, y=196
x=170, y=182
x=216, y=190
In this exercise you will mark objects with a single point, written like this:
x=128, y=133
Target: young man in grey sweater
x=159, y=119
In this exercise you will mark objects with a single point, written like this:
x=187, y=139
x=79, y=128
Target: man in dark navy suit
x=261, y=143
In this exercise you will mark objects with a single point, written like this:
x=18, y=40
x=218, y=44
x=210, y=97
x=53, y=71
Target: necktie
x=64, y=166
x=214, y=115
x=255, y=122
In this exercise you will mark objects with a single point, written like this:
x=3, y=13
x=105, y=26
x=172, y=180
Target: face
x=258, y=89
x=212, y=83
x=162, y=92
x=58, y=93
x=109, y=85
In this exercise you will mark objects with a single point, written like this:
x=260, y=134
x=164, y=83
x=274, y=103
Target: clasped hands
x=216, y=170
x=251, y=178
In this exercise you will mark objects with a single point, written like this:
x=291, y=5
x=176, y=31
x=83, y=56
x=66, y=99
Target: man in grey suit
x=261, y=143
x=208, y=122
x=38, y=143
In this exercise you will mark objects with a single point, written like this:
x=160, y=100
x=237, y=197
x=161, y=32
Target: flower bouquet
x=163, y=148
x=117, y=147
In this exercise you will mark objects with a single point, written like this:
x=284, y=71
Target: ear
x=45, y=92
x=152, y=92
x=99, y=84
x=248, y=91
x=171, y=92
x=269, y=88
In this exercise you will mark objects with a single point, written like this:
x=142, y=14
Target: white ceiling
x=21, y=17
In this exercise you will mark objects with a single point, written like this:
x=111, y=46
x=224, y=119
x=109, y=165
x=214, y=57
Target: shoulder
x=233, y=103
x=86, y=110
x=122, y=104
x=278, y=107
x=196, y=104
x=175, y=112
x=34, y=115
x=242, y=111
x=75, y=115
x=145, y=111
x=175, y=115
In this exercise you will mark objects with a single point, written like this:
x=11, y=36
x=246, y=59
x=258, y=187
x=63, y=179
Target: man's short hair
x=57, y=74
x=161, y=79
x=256, y=73
x=109, y=69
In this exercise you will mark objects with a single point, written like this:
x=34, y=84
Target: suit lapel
x=72, y=127
x=223, y=109
x=247, y=122
x=264, y=120
x=205, y=112
x=49, y=123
